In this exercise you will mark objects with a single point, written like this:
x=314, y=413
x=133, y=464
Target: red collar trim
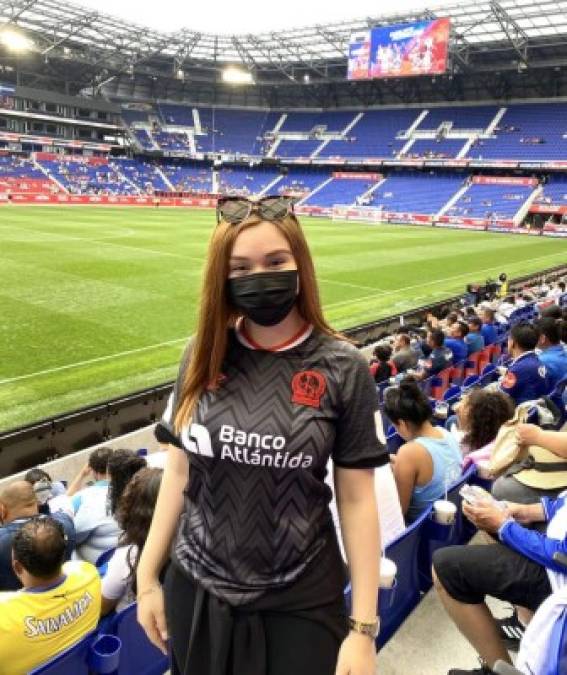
x=296, y=339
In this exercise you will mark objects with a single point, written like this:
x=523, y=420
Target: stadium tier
x=534, y=131
x=517, y=131
x=465, y=117
x=415, y=193
x=246, y=181
x=444, y=148
x=188, y=178
x=296, y=148
x=338, y=191
x=491, y=201
x=80, y=177
x=554, y=192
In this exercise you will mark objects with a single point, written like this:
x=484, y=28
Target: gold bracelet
x=149, y=590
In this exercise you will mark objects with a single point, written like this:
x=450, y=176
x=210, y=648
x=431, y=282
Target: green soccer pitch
x=98, y=302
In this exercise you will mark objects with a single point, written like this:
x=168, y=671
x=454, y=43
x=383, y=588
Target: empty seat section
x=431, y=148
x=339, y=191
x=534, y=131
x=374, y=135
x=416, y=193
x=491, y=201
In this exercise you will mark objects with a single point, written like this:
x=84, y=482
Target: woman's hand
x=357, y=655
x=151, y=615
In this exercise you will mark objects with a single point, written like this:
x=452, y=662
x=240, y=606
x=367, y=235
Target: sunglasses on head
x=235, y=210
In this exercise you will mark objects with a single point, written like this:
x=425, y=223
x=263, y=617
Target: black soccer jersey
x=256, y=506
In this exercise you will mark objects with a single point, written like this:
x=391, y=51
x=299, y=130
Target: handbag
x=506, y=450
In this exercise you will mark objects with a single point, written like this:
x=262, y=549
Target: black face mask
x=265, y=298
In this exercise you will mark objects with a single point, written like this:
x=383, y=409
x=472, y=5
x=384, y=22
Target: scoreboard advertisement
x=402, y=50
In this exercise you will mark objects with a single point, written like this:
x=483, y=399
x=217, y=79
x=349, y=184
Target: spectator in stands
x=551, y=352
x=430, y=459
x=474, y=339
x=519, y=569
x=134, y=515
x=96, y=529
x=382, y=367
x=529, y=486
x=122, y=465
x=18, y=505
x=488, y=329
x=526, y=377
x=551, y=312
x=439, y=358
x=404, y=356
x=44, y=488
x=480, y=415
x=58, y=604
x=456, y=342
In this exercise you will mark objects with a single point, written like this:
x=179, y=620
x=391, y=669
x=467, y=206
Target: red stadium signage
x=548, y=208
x=102, y=200
x=504, y=180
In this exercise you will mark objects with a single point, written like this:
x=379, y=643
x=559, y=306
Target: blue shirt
x=555, y=360
x=526, y=379
x=8, y=580
x=458, y=347
x=488, y=332
x=439, y=359
x=474, y=342
x=446, y=456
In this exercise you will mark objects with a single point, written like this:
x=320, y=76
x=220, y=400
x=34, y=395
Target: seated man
x=520, y=570
x=18, y=505
x=474, y=339
x=552, y=353
x=404, y=356
x=96, y=529
x=439, y=358
x=456, y=341
x=526, y=378
x=488, y=329
x=58, y=604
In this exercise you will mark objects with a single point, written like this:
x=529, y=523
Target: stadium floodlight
x=234, y=75
x=15, y=41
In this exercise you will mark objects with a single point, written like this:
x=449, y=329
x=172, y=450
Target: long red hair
x=216, y=315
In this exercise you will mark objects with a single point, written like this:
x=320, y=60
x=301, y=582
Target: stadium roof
x=67, y=29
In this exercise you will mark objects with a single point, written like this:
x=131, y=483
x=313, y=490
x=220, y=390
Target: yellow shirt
x=35, y=626
x=504, y=289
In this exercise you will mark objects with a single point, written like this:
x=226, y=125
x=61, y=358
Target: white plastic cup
x=388, y=570
x=445, y=512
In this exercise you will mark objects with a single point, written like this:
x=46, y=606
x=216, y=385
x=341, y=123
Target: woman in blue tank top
x=430, y=459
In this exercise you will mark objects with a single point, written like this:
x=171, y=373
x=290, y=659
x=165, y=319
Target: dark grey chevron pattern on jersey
x=256, y=508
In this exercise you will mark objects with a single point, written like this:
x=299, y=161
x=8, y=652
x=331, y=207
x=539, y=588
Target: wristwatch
x=371, y=630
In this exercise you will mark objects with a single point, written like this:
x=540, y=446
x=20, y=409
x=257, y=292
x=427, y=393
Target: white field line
x=99, y=359
x=440, y=281
x=108, y=243
x=346, y=283
x=109, y=357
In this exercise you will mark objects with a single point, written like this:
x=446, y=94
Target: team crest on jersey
x=308, y=387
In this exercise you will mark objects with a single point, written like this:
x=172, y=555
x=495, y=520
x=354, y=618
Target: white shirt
x=116, y=584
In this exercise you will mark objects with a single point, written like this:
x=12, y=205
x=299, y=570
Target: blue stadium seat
x=454, y=391
x=405, y=595
x=471, y=381
x=138, y=655
x=437, y=536
x=95, y=654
